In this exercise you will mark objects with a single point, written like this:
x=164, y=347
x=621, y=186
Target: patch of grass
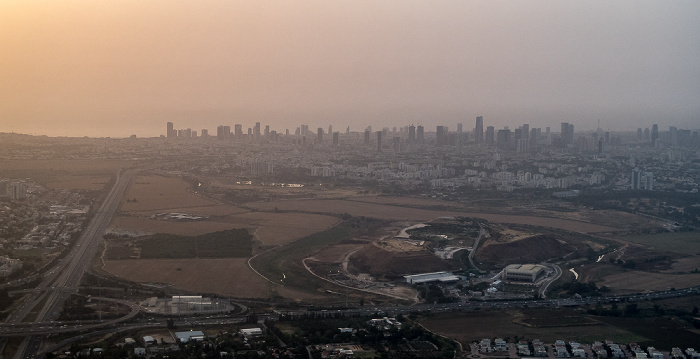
x=234, y=243
x=168, y=246
x=680, y=242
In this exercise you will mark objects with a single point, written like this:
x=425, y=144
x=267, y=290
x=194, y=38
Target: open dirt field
x=78, y=183
x=226, y=276
x=269, y=228
x=161, y=194
x=638, y=281
x=413, y=214
x=64, y=174
x=469, y=327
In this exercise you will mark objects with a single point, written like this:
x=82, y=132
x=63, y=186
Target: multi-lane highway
x=62, y=281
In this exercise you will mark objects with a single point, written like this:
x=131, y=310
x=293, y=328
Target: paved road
x=482, y=234
x=62, y=281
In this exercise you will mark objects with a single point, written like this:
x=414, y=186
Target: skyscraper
x=654, y=134
x=379, y=141
x=526, y=131
x=479, y=129
x=411, y=134
x=319, y=135
x=490, y=135
x=567, y=133
x=256, y=130
x=441, y=136
x=336, y=135
x=239, y=129
x=419, y=134
x=503, y=139
x=170, y=131
x=223, y=131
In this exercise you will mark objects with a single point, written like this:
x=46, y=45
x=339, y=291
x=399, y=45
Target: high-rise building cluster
x=522, y=139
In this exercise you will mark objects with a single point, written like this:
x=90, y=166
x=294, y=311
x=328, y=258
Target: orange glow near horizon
x=116, y=68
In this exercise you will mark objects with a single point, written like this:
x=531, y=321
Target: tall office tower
x=297, y=131
x=503, y=139
x=440, y=136
x=319, y=135
x=205, y=132
x=479, y=129
x=366, y=137
x=673, y=135
x=170, y=132
x=654, y=134
x=411, y=134
x=330, y=128
x=256, y=130
x=648, y=181
x=459, y=127
x=646, y=134
x=490, y=135
x=347, y=130
x=238, y=130
x=420, y=136
x=223, y=131
x=640, y=134
x=267, y=130
x=336, y=135
x=526, y=131
x=396, y=143
x=379, y=141
x=187, y=133
x=304, y=130
x=567, y=133
x=250, y=132
x=636, y=180
x=17, y=190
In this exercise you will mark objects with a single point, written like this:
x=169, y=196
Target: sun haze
x=116, y=68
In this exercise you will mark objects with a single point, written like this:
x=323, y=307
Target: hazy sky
x=116, y=68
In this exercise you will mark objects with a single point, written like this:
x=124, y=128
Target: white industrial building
x=523, y=272
x=431, y=277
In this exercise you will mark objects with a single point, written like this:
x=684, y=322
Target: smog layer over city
x=360, y=179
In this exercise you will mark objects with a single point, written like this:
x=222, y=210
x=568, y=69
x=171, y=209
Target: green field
x=234, y=243
x=680, y=242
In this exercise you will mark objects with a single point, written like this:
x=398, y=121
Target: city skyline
x=96, y=69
